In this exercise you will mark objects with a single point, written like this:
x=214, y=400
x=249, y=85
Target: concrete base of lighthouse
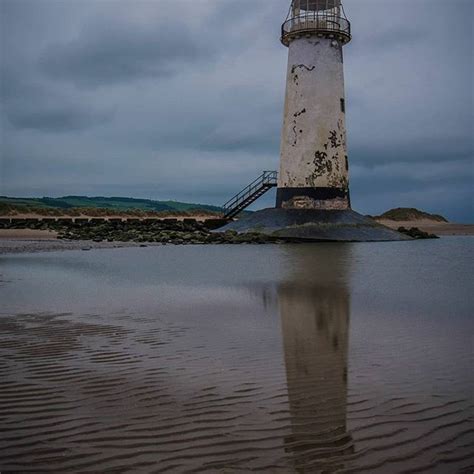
x=315, y=225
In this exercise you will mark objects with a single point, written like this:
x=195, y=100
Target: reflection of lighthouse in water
x=315, y=321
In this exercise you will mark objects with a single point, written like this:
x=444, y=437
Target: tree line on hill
x=102, y=206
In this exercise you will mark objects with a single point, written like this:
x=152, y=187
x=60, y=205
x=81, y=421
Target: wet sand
x=438, y=228
x=14, y=241
x=16, y=246
x=282, y=359
x=27, y=234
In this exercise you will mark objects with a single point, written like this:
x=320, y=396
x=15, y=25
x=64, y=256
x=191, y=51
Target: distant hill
x=409, y=214
x=74, y=204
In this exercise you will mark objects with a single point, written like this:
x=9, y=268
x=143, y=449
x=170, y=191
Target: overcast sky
x=183, y=99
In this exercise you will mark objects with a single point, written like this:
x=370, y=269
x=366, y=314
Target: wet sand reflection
x=314, y=309
x=235, y=359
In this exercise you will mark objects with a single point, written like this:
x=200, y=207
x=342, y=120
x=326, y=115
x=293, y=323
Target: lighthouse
x=314, y=165
x=312, y=198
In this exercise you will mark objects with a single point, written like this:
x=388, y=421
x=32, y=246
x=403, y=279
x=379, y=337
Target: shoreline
x=39, y=241
x=11, y=246
x=439, y=228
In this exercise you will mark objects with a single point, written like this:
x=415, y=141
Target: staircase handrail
x=267, y=177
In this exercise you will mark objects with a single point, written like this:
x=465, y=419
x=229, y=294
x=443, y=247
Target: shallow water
x=295, y=358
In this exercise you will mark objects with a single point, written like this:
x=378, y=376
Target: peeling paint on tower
x=313, y=163
x=313, y=200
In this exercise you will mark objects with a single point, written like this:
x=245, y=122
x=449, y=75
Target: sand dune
x=433, y=227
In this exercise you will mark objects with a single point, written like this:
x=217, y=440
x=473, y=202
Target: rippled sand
x=316, y=365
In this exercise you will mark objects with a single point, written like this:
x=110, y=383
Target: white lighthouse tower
x=314, y=166
x=313, y=202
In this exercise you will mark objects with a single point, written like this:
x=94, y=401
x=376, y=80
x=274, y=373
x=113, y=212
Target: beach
x=280, y=358
x=20, y=245
x=31, y=241
x=432, y=227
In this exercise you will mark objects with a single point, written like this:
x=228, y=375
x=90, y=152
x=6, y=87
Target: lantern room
x=324, y=18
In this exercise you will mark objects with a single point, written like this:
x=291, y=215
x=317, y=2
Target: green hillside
x=118, y=204
x=410, y=214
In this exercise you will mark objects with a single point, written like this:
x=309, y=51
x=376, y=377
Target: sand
x=438, y=228
x=27, y=234
x=28, y=241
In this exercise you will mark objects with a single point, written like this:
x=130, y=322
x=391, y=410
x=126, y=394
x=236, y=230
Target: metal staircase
x=257, y=188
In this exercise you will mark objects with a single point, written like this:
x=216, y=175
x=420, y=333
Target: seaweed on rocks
x=416, y=233
x=167, y=231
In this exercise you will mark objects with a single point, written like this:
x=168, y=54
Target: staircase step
x=256, y=189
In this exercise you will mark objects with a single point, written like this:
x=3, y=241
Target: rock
x=416, y=233
x=178, y=233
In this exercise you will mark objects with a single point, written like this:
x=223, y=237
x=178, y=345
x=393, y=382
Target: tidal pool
x=292, y=358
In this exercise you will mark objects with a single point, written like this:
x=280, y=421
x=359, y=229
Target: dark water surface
x=311, y=358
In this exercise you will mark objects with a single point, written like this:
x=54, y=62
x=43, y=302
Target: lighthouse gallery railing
x=324, y=22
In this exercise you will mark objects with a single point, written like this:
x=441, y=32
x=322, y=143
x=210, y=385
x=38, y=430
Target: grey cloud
x=383, y=149
x=231, y=137
x=443, y=186
x=183, y=99
x=119, y=52
x=248, y=120
x=32, y=105
x=378, y=41
x=451, y=200
x=119, y=49
x=56, y=118
x=405, y=176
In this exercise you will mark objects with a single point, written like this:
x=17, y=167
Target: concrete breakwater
x=12, y=222
x=164, y=231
